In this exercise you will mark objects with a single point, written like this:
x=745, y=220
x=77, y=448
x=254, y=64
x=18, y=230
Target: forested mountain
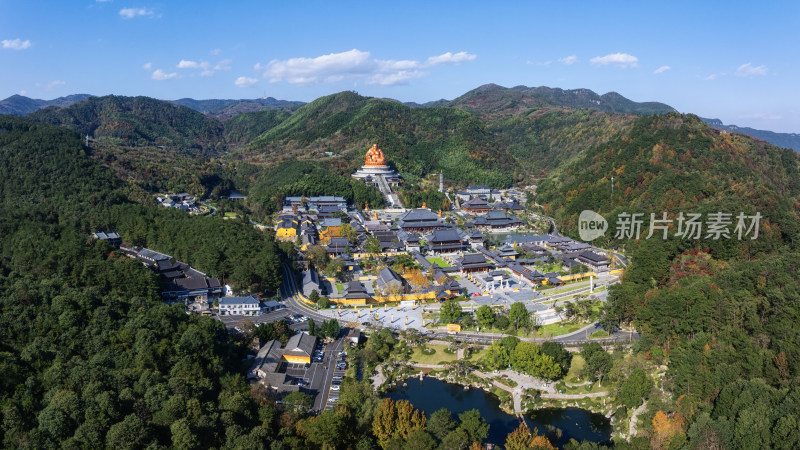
x=719, y=312
x=20, y=105
x=243, y=128
x=228, y=108
x=138, y=121
x=90, y=356
x=491, y=98
x=785, y=140
x=417, y=140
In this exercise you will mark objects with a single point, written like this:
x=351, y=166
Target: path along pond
x=559, y=424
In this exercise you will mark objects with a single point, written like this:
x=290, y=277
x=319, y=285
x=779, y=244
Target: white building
x=239, y=306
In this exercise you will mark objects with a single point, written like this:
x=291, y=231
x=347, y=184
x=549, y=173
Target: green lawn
x=557, y=329
x=230, y=215
x=437, y=260
x=438, y=356
x=339, y=288
x=599, y=334
x=575, y=368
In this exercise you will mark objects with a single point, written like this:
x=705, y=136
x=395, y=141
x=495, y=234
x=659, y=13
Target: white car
x=334, y=387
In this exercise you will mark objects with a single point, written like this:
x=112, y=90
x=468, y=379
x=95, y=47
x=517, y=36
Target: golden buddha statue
x=375, y=157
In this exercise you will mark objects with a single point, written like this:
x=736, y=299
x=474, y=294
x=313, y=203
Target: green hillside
x=719, y=313
x=491, y=98
x=243, y=128
x=416, y=140
x=138, y=121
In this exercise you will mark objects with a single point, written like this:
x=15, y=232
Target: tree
x=131, y=433
x=598, y=361
x=473, y=425
x=313, y=297
x=419, y=439
x=334, y=268
x=396, y=420
x=519, y=316
x=519, y=439
x=497, y=356
x=372, y=245
x=501, y=322
x=324, y=302
x=559, y=354
x=457, y=439
x=485, y=316
x=182, y=435
x=312, y=327
x=510, y=343
x=635, y=388
x=328, y=430
x=441, y=423
x=450, y=311
x=319, y=256
x=330, y=328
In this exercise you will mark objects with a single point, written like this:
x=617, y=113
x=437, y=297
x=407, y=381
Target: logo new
x=591, y=225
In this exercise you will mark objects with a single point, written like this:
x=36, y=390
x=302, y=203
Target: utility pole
x=612, y=185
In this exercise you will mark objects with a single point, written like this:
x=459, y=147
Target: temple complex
x=375, y=167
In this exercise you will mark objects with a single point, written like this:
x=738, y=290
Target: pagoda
x=375, y=167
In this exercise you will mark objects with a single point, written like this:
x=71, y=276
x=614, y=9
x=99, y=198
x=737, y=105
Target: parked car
x=334, y=387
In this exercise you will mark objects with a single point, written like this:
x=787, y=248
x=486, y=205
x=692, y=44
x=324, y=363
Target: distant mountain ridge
x=19, y=105
x=137, y=121
x=494, y=98
x=785, y=140
x=225, y=109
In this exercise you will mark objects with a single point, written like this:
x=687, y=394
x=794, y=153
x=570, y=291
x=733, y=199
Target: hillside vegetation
x=138, y=121
x=718, y=312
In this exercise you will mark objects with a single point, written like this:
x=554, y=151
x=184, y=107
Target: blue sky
x=737, y=61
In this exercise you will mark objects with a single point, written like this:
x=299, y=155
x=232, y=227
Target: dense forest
x=92, y=358
x=719, y=312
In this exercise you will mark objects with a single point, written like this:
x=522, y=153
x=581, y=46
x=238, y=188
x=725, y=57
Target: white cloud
x=206, y=68
x=450, y=58
x=160, y=75
x=147, y=66
x=353, y=64
x=622, y=60
x=391, y=79
x=245, y=82
x=711, y=77
x=102, y=1
x=16, y=44
x=55, y=83
x=184, y=64
x=747, y=70
x=215, y=52
x=322, y=68
x=130, y=13
x=23, y=92
x=568, y=60
x=662, y=69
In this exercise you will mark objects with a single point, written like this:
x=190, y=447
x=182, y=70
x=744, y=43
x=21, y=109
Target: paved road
x=326, y=369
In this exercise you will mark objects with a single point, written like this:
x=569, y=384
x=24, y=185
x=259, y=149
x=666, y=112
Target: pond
x=234, y=195
x=560, y=425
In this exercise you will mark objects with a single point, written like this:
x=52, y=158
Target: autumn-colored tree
x=519, y=439
x=665, y=428
x=417, y=279
x=541, y=443
x=523, y=439
x=383, y=423
x=396, y=420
